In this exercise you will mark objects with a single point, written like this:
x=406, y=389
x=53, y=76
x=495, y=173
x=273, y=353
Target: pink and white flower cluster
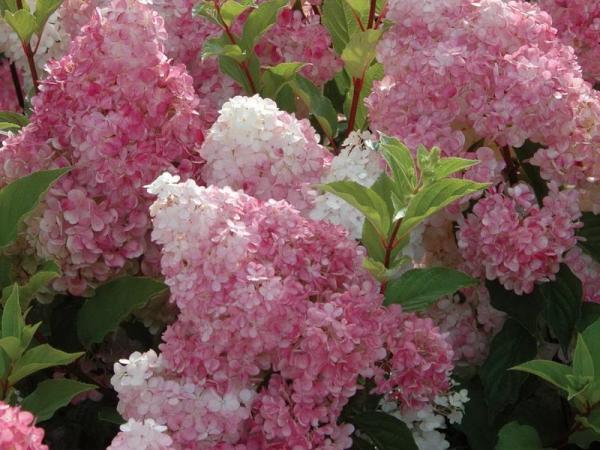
x=17, y=430
x=267, y=152
x=510, y=238
x=119, y=113
x=578, y=24
x=278, y=322
x=461, y=70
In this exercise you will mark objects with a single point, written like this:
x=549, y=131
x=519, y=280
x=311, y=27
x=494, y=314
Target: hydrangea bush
x=299, y=225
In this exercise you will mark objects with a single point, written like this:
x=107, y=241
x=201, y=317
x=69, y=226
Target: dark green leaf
x=43, y=10
x=19, y=198
x=112, y=303
x=50, y=395
x=220, y=46
x=39, y=280
x=19, y=120
x=514, y=436
x=591, y=233
x=525, y=309
x=110, y=415
x=319, y=106
x=583, y=364
x=562, y=304
x=591, y=336
x=417, y=289
x=276, y=77
x=590, y=312
x=480, y=431
x=532, y=172
x=584, y=438
x=513, y=345
x=386, y=432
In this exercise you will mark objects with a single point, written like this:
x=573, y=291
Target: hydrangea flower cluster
x=117, y=111
x=146, y=435
x=301, y=38
x=427, y=424
x=510, y=238
x=17, y=430
x=267, y=152
x=578, y=24
x=278, y=321
x=359, y=162
x=492, y=69
x=587, y=270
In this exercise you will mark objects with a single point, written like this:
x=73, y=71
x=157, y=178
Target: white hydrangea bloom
x=359, y=162
x=426, y=423
x=135, y=370
x=147, y=435
x=54, y=42
x=264, y=151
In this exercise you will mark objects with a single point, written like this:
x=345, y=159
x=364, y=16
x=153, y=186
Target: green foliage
x=259, y=21
x=276, y=77
x=511, y=346
x=112, y=303
x=50, y=395
x=359, y=53
x=220, y=46
x=43, y=10
x=12, y=121
x=417, y=289
x=384, y=431
x=21, y=197
x=590, y=232
x=515, y=436
x=22, y=22
x=319, y=105
x=373, y=73
x=340, y=21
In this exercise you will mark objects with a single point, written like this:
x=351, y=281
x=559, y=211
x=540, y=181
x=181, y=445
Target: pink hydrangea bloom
x=420, y=363
x=278, y=321
x=489, y=69
x=510, y=238
x=299, y=38
x=267, y=152
x=118, y=112
x=8, y=96
x=17, y=430
x=587, y=270
x=578, y=24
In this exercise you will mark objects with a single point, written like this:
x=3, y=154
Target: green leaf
x=5, y=362
x=112, y=303
x=435, y=197
x=231, y=67
x=48, y=272
x=584, y=438
x=550, y=371
x=400, y=160
x=417, y=289
x=386, y=431
x=12, y=347
x=9, y=126
x=374, y=72
x=583, y=364
x=219, y=46
x=360, y=52
x=12, y=316
x=591, y=336
x=231, y=10
x=591, y=420
x=318, y=105
x=22, y=22
x=525, y=309
x=207, y=10
x=372, y=242
x=449, y=166
x=43, y=10
x=110, y=415
x=365, y=200
x=590, y=312
x=513, y=345
x=276, y=77
x=361, y=9
x=51, y=395
x=514, y=436
x=259, y=21
x=339, y=20
x=562, y=304
x=531, y=172
x=39, y=358
x=19, y=198
x=27, y=334
x=19, y=120
x=591, y=233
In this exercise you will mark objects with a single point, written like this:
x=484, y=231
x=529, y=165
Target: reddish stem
x=389, y=248
x=358, y=85
x=29, y=54
x=372, y=8
x=17, y=83
x=511, y=172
